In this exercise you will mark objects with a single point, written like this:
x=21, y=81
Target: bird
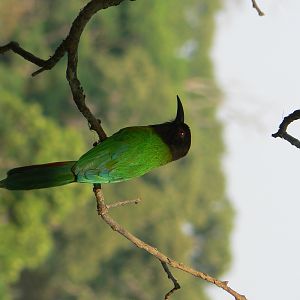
x=131, y=152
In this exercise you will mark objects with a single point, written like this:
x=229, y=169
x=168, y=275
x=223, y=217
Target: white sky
x=257, y=64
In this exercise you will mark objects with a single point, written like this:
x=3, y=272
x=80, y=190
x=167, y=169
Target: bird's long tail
x=39, y=176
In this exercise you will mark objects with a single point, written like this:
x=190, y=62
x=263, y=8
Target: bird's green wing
x=131, y=152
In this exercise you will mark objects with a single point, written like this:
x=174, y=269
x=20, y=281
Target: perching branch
x=282, y=131
x=256, y=7
x=70, y=46
x=103, y=212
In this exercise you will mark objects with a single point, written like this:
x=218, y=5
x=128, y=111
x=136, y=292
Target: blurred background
x=257, y=65
x=229, y=208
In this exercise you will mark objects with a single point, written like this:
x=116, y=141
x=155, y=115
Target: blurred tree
x=28, y=221
x=131, y=64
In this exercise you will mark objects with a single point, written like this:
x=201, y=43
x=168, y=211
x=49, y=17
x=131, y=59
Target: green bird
x=130, y=152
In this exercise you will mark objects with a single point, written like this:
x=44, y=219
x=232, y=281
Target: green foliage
x=28, y=219
x=133, y=60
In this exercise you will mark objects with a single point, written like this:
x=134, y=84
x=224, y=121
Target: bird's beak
x=180, y=113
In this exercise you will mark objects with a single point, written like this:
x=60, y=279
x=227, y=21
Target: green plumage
x=131, y=152
x=39, y=176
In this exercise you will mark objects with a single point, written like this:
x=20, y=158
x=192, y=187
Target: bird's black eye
x=181, y=133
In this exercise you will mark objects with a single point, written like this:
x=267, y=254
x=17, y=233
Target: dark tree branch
x=171, y=277
x=282, y=131
x=256, y=7
x=103, y=212
x=15, y=47
x=79, y=96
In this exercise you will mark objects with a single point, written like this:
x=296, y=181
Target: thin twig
x=15, y=47
x=259, y=11
x=122, y=203
x=174, y=280
x=282, y=131
x=103, y=212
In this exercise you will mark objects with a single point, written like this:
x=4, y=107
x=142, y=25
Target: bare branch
x=45, y=64
x=15, y=47
x=282, y=131
x=174, y=280
x=79, y=96
x=103, y=212
x=122, y=203
x=71, y=43
x=256, y=7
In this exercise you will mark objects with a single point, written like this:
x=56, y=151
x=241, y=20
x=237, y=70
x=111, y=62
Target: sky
x=257, y=66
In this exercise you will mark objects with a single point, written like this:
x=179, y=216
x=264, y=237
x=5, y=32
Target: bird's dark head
x=176, y=134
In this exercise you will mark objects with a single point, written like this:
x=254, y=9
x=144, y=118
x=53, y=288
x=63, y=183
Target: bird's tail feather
x=39, y=176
